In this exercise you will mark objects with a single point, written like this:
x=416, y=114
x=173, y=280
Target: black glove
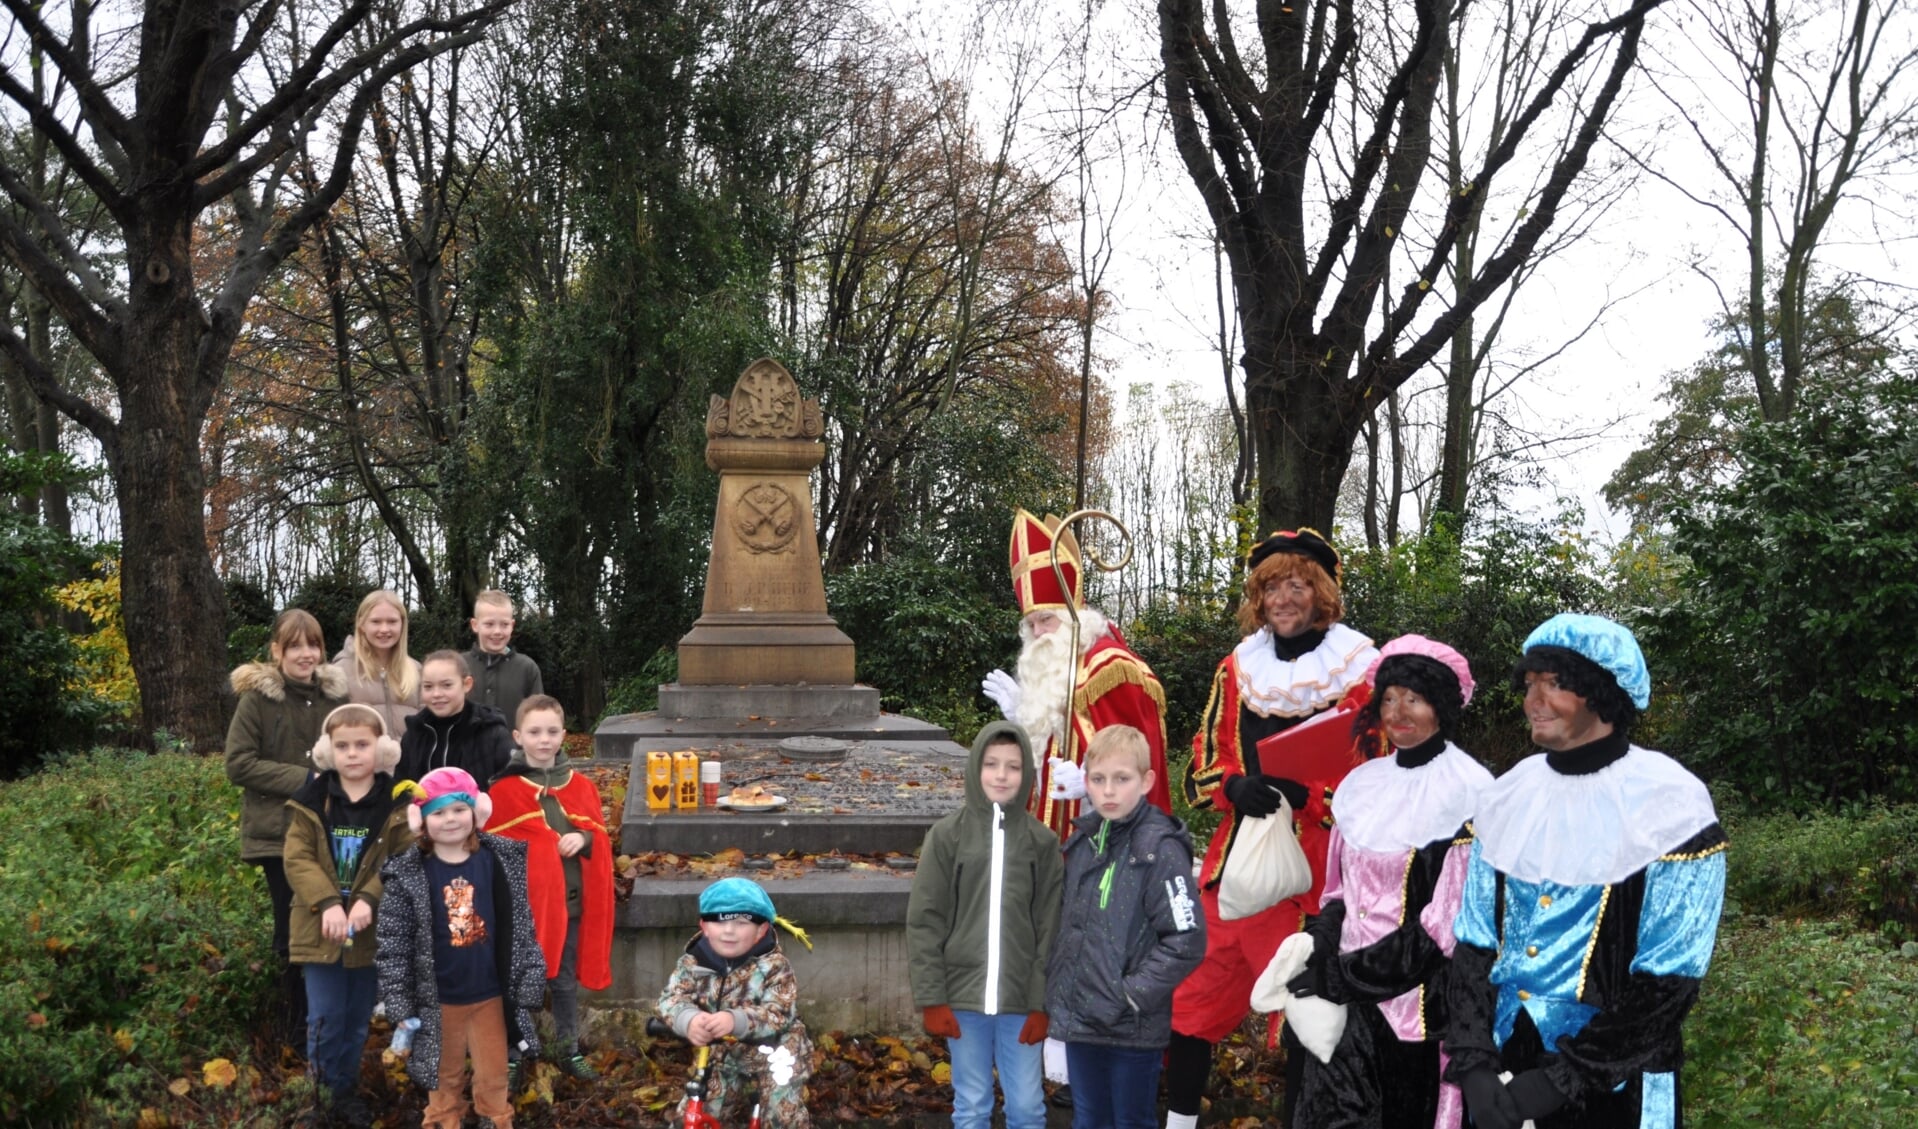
x=1253, y=796
x=1490, y=1103
x=1534, y=1095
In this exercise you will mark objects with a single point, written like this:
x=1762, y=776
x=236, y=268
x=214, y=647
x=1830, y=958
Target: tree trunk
x=1303, y=430
x=172, y=601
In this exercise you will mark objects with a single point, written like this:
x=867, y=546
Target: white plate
x=771, y=803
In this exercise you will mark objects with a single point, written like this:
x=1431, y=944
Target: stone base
x=854, y=978
x=730, y=648
x=755, y=700
x=619, y=737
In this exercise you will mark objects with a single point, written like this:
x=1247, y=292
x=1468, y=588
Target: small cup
x=709, y=782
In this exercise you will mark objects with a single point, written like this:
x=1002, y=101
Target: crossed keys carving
x=765, y=518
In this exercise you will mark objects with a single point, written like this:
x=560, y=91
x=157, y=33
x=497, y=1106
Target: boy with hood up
x=979, y=924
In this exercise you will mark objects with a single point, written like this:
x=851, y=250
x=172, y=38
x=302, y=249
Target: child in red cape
x=540, y=800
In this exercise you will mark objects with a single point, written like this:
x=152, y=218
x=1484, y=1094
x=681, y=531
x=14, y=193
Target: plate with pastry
x=752, y=797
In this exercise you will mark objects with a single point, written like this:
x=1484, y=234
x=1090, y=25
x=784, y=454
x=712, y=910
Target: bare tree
x=1309, y=141
x=1826, y=106
x=181, y=109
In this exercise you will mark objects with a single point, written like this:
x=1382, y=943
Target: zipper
x=1105, y=880
x=996, y=887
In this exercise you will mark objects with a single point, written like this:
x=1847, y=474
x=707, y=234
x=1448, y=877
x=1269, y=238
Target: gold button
x=1524, y=995
x=1545, y=900
x=1531, y=950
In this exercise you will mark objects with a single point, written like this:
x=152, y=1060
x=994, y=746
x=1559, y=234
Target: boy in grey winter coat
x=981, y=919
x=1132, y=930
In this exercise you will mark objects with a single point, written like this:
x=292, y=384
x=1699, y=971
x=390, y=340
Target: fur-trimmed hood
x=266, y=680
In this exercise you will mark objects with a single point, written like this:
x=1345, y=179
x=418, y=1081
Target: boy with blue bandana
x=734, y=981
x=1591, y=904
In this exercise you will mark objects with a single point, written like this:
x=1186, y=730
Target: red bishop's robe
x=1114, y=687
x=517, y=815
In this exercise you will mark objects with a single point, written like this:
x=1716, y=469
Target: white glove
x=1068, y=780
x=1003, y=689
x=1318, y=1023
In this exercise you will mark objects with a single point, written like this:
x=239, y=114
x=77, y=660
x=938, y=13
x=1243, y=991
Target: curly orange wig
x=1328, y=606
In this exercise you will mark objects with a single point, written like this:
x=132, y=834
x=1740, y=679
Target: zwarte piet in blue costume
x=1591, y=904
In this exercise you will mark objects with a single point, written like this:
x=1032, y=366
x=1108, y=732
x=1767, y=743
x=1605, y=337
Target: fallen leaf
x=219, y=1073
x=180, y=1087
x=35, y=1020
x=151, y=1118
x=942, y=1072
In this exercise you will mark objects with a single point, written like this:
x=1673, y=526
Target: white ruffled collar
x=1383, y=806
x=1536, y=824
x=1271, y=686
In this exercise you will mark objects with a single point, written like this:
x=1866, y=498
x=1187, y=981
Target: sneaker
x=513, y=1067
x=1062, y=1098
x=576, y=1066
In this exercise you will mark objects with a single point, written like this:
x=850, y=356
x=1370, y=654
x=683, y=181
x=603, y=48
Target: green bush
x=136, y=943
x=1482, y=595
x=1792, y=646
x=926, y=634
x=1862, y=863
x=1802, y=1023
x=44, y=705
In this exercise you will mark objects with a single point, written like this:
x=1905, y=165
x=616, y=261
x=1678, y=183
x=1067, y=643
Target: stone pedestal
x=764, y=619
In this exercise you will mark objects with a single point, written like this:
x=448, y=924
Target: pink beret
x=1431, y=649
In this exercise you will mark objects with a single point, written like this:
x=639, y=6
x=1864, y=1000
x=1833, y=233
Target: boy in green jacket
x=979, y=925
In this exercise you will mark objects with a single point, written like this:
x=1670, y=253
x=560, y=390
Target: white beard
x=1045, y=664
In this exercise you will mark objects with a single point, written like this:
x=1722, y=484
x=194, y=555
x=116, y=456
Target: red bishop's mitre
x=1035, y=545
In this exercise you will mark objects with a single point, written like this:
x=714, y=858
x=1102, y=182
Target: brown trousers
x=479, y=1029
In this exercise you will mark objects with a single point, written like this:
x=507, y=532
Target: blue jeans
x=1114, y=1087
x=986, y=1041
x=339, y=1005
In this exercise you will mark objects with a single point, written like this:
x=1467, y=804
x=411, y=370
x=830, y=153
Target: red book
x=1321, y=747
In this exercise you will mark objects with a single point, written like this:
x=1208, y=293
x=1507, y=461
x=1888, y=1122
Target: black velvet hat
x=1308, y=543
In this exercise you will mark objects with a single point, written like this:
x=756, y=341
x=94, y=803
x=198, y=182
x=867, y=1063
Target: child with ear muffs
x=342, y=826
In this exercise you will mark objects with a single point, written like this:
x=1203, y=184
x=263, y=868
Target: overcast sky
x=1639, y=257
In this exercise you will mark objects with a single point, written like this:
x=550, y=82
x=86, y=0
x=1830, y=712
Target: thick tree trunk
x=1303, y=429
x=169, y=595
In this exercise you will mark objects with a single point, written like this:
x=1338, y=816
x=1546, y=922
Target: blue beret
x=1604, y=642
x=736, y=895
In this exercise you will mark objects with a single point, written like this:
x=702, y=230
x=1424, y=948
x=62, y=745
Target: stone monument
x=764, y=643
x=766, y=689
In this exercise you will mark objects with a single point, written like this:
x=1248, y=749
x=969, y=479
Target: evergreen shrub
x=136, y=942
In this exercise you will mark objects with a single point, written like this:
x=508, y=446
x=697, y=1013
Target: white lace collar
x=1536, y=824
x=1270, y=685
x=1384, y=806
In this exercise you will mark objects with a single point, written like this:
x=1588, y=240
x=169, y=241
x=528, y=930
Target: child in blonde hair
x=379, y=670
x=1130, y=932
x=557, y=813
x=342, y=826
x=502, y=677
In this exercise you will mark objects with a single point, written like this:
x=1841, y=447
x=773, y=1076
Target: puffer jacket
x=758, y=988
x=476, y=739
x=311, y=872
x=1121, y=953
x=963, y=950
x=273, y=729
x=409, y=986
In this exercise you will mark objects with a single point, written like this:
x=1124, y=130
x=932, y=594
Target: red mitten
x=1035, y=1029
x=939, y=1020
